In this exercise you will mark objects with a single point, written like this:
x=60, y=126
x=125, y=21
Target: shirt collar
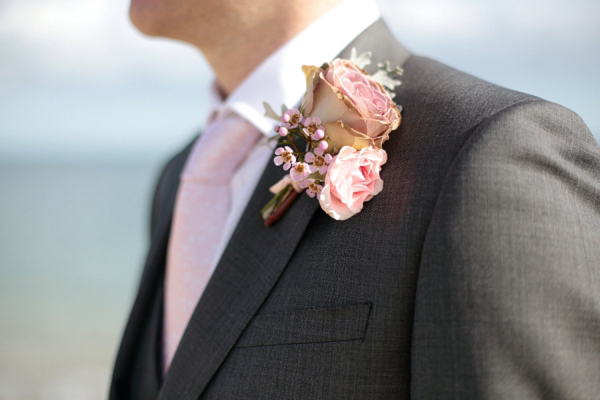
x=279, y=79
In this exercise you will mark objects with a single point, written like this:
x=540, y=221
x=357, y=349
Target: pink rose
x=352, y=179
x=355, y=109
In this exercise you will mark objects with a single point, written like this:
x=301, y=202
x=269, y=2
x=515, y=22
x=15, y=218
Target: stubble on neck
x=244, y=40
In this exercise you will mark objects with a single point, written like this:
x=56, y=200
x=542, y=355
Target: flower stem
x=291, y=142
x=275, y=215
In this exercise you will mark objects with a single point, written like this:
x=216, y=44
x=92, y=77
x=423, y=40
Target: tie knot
x=222, y=147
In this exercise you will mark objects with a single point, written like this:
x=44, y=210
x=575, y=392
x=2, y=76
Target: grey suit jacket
x=475, y=274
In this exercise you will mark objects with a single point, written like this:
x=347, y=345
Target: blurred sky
x=77, y=82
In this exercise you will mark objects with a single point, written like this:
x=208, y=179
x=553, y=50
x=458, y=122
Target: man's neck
x=235, y=54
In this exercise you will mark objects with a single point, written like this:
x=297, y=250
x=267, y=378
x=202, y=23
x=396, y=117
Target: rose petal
x=313, y=76
x=352, y=178
x=332, y=206
x=371, y=111
x=340, y=135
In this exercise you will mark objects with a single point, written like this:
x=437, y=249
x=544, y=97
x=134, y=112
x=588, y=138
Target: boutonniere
x=331, y=146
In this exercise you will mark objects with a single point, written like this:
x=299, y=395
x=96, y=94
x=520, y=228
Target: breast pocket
x=307, y=326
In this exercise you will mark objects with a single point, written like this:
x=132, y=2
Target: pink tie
x=201, y=210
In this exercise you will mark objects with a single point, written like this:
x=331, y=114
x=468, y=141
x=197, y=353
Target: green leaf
x=386, y=80
x=362, y=60
x=270, y=113
x=384, y=76
x=316, y=176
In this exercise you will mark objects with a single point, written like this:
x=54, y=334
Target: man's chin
x=149, y=18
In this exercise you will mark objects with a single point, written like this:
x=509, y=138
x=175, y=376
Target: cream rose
x=355, y=109
x=352, y=178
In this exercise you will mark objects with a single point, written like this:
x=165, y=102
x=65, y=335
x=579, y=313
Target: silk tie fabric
x=201, y=210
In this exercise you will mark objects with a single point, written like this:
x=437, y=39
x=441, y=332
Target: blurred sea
x=72, y=244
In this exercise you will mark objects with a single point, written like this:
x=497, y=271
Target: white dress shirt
x=280, y=80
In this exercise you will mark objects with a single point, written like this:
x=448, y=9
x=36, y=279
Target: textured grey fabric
x=334, y=324
x=508, y=296
x=474, y=274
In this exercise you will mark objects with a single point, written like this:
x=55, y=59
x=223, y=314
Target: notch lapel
x=250, y=266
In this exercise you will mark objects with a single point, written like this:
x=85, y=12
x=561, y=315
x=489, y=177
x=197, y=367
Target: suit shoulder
x=515, y=158
x=531, y=129
x=506, y=161
x=540, y=123
x=455, y=92
x=461, y=113
x=534, y=161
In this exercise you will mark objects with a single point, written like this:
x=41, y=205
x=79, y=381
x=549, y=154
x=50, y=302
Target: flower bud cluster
x=308, y=167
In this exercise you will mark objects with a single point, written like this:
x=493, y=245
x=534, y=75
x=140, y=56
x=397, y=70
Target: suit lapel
x=252, y=263
x=248, y=269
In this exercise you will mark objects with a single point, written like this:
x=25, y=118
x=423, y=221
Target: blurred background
x=90, y=109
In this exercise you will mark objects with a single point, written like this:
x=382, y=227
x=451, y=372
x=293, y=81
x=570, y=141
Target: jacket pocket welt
x=307, y=326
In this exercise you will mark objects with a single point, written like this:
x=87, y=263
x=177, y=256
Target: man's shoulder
x=470, y=142
x=484, y=108
x=447, y=105
x=510, y=152
x=438, y=89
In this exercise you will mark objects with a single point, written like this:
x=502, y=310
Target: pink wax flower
x=322, y=145
x=352, y=178
x=319, y=161
x=291, y=118
x=281, y=130
x=313, y=128
x=300, y=171
x=312, y=188
x=285, y=156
